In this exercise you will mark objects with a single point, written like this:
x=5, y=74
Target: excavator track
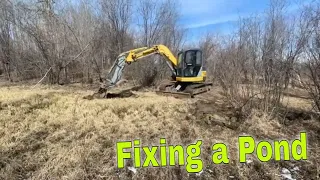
x=168, y=88
x=199, y=88
x=174, y=94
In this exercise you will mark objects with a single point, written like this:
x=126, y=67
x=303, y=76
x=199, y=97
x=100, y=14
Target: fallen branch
x=76, y=56
x=42, y=77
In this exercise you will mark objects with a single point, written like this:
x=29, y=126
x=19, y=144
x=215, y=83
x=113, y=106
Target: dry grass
x=53, y=133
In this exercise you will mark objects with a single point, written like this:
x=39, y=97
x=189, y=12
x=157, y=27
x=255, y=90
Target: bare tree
x=208, y=45
x=6, y=42
x=158, y=24
x=312, y=53
x=116, y=18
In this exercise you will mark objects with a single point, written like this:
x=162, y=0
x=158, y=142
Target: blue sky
x=221, y=16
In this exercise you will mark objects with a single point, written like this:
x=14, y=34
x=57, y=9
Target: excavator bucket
x=115, y=73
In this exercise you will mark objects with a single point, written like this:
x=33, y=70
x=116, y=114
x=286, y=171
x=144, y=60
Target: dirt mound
x=103, y=94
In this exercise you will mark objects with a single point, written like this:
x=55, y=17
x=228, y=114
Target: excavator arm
x=114, y=75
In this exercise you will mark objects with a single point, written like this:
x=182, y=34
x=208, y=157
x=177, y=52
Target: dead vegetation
x=56, y=134
x=266, y=77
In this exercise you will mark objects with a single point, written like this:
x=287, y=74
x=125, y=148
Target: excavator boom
x=157, y=49
x=128, y=57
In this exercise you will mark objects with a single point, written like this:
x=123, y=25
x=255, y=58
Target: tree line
x=77, y=41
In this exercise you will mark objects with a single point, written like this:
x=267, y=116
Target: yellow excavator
x=188, y=72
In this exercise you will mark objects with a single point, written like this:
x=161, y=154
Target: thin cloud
x=205, y=12
x=201, y=13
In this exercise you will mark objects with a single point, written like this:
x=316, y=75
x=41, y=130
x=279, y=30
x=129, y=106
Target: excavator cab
x=190, y=66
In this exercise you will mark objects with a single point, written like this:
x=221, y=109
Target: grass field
x=53, y=133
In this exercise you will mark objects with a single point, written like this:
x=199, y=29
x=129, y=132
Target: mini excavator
x=188, y=73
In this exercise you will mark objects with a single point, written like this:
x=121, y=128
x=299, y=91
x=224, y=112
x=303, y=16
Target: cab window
x=199, y=58
x=180, y=58
x=190, y=57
